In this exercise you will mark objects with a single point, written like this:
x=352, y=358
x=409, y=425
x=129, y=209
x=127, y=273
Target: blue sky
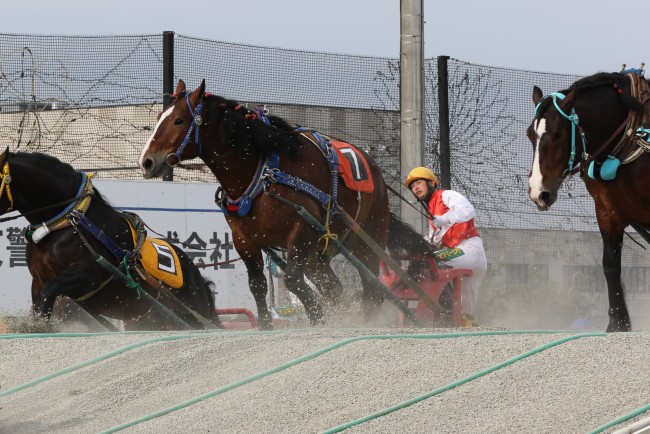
x=565, y=36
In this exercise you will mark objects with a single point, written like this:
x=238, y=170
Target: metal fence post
x=168, y=84
x=443, y=121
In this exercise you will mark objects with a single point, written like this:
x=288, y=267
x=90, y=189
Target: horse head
x=176, y=135
x=568, y=131
x=551, y=135
x=211, y=127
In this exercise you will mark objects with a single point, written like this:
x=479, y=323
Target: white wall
x=186, y=209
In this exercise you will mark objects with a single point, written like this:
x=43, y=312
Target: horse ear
x=180, y=88
x=4, y=156
x=198, y=93
x=537, y=95
x=567, y=103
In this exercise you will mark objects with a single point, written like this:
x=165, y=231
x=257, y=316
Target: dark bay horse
x=591, y=128
x=238, y=145
x=64, y=262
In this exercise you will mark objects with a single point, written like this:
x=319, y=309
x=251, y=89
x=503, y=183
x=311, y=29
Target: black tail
x=213, y=308
x=403, y=239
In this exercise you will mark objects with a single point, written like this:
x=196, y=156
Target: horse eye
x=179, y=121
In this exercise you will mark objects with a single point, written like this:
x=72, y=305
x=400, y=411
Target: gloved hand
x=440, y=221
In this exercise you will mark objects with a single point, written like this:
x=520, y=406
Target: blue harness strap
x=197, y=120
x=332, y=159
x=300, y=185
x=80, y=220
x=242, y=205
x=268, y=171
x=575, y=121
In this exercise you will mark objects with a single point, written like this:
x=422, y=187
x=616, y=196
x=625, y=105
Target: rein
x=396, y=193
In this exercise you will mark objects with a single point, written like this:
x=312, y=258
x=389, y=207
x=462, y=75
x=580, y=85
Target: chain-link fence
x=93, y=101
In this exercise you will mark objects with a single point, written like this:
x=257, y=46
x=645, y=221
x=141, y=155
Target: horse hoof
x=615, y=326
x=315, y=314
x=265, y=327
x=317, y=321
x=619, y=328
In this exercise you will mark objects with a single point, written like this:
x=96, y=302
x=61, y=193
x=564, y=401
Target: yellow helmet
x=420, y=173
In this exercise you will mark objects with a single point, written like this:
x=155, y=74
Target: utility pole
x=411, y=99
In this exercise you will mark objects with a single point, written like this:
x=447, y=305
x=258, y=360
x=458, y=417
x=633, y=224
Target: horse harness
x=79, y=204
x=268, y=172
x=634, y=141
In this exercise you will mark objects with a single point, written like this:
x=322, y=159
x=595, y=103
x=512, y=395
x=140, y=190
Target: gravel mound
x=572, y=387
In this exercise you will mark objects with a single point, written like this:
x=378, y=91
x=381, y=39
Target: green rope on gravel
x=130, y=281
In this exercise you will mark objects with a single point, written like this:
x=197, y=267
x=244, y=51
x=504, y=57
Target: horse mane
x=248, y=134
x=42, y=160
x=54, y=166
x=600, y=79
x=604, y=79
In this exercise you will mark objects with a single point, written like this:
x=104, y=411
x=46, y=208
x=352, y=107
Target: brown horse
x=76, y=239
x=591, y=128
x=249, y=153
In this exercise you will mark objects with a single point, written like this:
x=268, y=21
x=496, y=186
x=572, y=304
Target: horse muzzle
x=544, y=200
x=153, y=167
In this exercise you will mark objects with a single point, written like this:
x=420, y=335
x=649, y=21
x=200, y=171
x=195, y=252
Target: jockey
x=452, y=230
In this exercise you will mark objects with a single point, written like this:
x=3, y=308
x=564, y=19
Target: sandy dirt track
x=573, y=387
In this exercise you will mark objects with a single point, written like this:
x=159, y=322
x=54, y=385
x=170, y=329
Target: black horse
x=83, y=248
x=596, y=128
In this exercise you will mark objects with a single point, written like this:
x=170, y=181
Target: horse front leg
x=259, y=287
x=75, y=281
x=619, y=318
x=294, y=279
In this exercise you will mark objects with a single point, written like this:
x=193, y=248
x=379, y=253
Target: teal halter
x=573, y=118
